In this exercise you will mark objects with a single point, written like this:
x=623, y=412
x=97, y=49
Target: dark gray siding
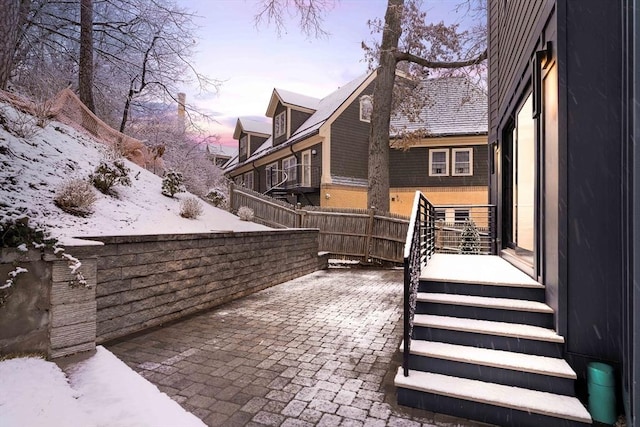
x=297, y=119
x=593, y=70
x=513, y=32
x=582, y=193
x=255, y=142
x=350, y=142
x=410, y=168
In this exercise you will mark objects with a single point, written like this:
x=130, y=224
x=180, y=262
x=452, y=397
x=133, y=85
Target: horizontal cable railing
x=465, y=229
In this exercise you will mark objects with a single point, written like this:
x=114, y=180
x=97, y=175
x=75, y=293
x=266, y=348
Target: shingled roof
x=454, y=106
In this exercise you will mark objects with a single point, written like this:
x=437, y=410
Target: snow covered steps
x=486, y=308
x=521, y=338
x=484, y=347
x=489, y=402
x=542, y=373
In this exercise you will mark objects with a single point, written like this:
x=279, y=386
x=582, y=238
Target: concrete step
x=502, y=367
x=488, y=402
x=485, y=308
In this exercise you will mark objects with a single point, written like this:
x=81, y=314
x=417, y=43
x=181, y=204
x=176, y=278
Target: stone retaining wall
x=136, y=282
x=145, y=281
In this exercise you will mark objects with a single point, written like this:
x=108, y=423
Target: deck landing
x=482, y=269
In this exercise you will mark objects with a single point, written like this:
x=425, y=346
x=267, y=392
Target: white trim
x=290, y=167
x=305, y=179
x=280, y=129
x=446, y=161
x=245, y=180
x=365, y=113
x=268, y=174
x=455, y=151
x=244, y=151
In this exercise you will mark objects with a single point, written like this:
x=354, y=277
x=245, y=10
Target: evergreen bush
x=110, y=173
x=470, y=238
x=172, y=183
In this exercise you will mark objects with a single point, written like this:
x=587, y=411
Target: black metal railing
x=419, y=247
x=451, y=221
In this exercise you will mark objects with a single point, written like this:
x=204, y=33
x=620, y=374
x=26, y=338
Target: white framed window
x=439, y=162
x=366, y=108
x=462, y=161
x=243, y=146
x=306, y=168
x=280, y=124
x=247, y=180
x=290, y=167
x=440, y=214
x=271, y=172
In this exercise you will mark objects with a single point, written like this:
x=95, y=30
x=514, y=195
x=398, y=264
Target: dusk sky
x=251, y=60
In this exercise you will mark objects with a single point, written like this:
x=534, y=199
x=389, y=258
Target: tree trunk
x=9, y=23
x=85, y=72
x=378, y=190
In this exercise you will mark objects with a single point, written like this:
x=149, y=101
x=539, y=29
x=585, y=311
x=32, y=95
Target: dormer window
x=280, y=124
x=243, y=146
x=366, y=108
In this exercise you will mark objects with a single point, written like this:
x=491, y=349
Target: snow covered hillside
x=32, y=168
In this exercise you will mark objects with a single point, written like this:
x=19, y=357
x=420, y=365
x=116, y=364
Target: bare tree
x=11, y=21
x=85, y=70
x=408, y=42
x=142, y=52
x=408, y=37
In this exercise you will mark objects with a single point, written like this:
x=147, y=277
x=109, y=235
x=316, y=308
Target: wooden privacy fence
x=356, y=234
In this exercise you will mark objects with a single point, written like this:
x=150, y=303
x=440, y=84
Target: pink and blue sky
x=251, y=61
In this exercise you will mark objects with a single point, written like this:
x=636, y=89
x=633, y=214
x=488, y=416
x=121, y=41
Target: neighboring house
x=314, y=152
x=563, y=129
x=221, y=154
x=442, y=153
x=320, y=150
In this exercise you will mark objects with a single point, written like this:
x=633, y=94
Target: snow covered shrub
x=172, y=183
x=190, y=207
x=110, y=173
x=75, y=196
x=470, y=239
x=217, y=198
x=24, y=125
x=245, y=213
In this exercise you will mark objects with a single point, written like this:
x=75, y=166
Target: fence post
x=231, y=191
x=367, y=245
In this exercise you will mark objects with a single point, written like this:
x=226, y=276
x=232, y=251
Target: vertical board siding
x=297, y=119
x=350, y=141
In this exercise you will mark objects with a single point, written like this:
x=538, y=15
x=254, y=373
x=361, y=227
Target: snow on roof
x=251, y=126
x=223, y=150
x=292, y=99
x=326, y=107
x=454, y=106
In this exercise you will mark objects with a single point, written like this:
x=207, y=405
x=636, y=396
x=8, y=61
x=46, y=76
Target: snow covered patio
x=488, y=269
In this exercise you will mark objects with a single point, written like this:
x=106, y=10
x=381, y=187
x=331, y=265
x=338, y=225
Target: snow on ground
x=31, y=169
x=100, y=391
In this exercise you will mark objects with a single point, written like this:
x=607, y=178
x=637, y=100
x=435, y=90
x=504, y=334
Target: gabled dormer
x=250, y=135
x=288, y=111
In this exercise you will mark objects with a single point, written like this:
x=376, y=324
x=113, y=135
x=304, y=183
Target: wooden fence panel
x=266, y=210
